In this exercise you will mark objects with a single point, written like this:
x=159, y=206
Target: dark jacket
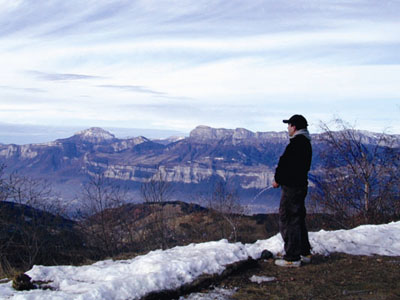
x=295, y=162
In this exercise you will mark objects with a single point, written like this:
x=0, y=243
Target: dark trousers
x=292, y=224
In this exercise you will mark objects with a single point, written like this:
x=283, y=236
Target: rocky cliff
x=240, y=157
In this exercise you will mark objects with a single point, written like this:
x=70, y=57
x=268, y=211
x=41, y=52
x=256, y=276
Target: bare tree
x=29, y=193
x=359, y=179
x=33, y=192
x=156, y=192
x=102, y=202
x=4, y=237
x=227, y=210
x=29, y=221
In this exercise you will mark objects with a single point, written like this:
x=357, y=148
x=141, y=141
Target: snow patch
x=261, y=279
x=95, y=134
x=216, y=294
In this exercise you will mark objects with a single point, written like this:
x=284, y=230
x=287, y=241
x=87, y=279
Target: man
x=292, y=176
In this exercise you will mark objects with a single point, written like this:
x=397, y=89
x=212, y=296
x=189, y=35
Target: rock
x=22, y=282
x=266, y=254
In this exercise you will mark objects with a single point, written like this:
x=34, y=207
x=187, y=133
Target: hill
x=29, y=235
x=164, y=274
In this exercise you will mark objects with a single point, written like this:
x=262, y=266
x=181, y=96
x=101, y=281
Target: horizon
x=150, y=64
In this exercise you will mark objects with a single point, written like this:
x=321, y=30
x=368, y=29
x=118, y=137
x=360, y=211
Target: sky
x=173, y=65
x=172, y=268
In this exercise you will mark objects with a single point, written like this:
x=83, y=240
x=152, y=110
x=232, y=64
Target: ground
x=338, y=276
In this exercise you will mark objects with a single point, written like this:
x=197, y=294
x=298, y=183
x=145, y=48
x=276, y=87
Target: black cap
x=297, y=120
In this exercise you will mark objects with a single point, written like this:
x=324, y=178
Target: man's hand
x=275, y=184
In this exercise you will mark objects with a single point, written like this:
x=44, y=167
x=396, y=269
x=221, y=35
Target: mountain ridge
x=203, y=132
x=244, y=159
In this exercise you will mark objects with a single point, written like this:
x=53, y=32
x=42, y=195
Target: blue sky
x=173, y=65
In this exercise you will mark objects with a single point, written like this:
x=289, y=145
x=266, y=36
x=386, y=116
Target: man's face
x=291, y=129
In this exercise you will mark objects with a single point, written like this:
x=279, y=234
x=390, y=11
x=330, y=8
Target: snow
x=168, y=269
x=216, y=294
x=260, y=279
x=362, y=240
x=95, y=134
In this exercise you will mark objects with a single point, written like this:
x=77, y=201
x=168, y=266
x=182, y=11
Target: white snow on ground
x=362, y=240
x=157, y=270
x=260, y=279
x=216, y=294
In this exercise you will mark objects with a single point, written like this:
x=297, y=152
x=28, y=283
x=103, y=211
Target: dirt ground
x=338, y=276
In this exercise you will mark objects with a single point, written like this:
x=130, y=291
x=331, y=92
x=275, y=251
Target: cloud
x=146, y=91
x=133, y=88
x=196, y=61
x=60, y=76
x=19, y=89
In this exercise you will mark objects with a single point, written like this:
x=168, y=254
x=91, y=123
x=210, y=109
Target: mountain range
x=244, y=159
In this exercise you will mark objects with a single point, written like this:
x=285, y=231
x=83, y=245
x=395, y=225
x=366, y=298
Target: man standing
x=292, y=176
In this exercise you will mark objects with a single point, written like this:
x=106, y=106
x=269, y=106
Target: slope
x=170, y=269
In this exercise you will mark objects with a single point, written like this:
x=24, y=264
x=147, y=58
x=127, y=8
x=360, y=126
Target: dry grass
x=338, y=276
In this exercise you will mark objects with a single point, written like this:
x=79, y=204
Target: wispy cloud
x=164, y=63
x=133, y=88
x=21, y=89
x=60, y=76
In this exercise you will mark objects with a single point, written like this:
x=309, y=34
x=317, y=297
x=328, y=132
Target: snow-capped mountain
x=95, y=135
